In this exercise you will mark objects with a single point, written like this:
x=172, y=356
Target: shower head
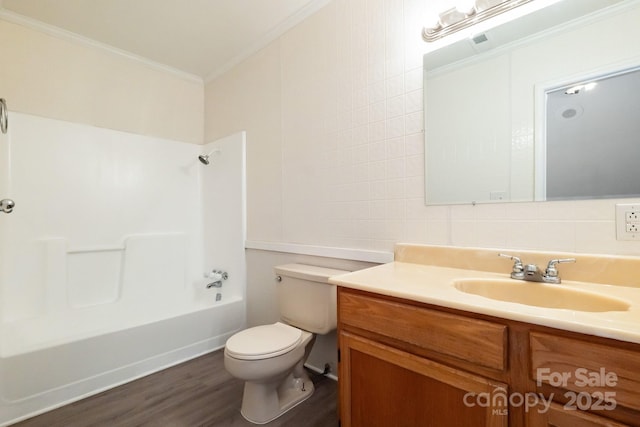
x=204, y=158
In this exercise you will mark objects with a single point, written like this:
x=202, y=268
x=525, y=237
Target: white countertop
x=434, y=285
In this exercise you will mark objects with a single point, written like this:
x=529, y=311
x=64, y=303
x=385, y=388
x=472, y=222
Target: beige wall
x=62, y=79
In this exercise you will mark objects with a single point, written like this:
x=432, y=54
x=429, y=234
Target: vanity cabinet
x=388, y=379
x=384, y=386
x=584, y=376
x=557, y=416
x=406, y=363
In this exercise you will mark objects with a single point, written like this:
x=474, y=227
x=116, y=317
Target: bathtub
x=41, y=368
x=106, y=315
x=103, y=261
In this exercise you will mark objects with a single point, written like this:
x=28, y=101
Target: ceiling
x=200, y=37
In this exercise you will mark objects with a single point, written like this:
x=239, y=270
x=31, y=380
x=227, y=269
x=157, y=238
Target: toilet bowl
x=270, y=358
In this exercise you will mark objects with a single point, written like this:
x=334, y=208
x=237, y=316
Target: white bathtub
x=103, y=352
x=102, y=261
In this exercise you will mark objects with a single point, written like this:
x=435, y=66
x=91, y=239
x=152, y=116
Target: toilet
x=270, y=358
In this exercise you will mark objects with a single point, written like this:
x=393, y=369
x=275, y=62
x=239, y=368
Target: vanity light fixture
x=464, y=14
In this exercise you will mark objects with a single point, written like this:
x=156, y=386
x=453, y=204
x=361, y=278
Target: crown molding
x=268, y=38
x=16, y=18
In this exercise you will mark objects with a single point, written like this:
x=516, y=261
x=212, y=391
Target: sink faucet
x=532, y=273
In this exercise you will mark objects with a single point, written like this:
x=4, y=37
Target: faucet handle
x=518, y=269
x=511, y=257
x=551, y=270
x=551, y=273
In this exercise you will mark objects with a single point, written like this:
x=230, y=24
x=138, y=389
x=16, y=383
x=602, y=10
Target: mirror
x=485, y=104
x=598, y=119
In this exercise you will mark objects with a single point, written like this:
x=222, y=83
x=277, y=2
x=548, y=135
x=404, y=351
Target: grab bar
x=4, y=116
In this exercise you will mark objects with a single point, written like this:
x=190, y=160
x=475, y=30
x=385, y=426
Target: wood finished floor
x=195, y=393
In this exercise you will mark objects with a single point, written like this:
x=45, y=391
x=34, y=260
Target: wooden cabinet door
x=558, y=416
x=381, y=386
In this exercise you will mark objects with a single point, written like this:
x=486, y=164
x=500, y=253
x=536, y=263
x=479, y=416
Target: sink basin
x=540, y=295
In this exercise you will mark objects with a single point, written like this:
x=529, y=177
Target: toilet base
x=264, y=402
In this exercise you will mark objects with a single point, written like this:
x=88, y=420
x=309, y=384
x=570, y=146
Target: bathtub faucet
x=218, y=276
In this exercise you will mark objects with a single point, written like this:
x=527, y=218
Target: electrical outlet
x=628, y=221
x=632, y=216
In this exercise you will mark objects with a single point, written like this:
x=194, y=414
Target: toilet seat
x=263, y=342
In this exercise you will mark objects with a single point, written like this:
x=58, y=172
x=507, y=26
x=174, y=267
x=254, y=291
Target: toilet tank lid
x=308, y=272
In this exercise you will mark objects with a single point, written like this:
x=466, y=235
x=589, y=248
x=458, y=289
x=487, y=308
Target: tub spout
x=216, y=284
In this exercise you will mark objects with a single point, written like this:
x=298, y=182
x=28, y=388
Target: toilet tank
x=306, y=299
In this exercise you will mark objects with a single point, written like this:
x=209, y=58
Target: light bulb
x=466, y=6
x=590, y=86
x=431, y=19
x=574, y=90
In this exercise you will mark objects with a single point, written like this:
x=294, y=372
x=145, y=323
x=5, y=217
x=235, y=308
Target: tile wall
x=335, y=144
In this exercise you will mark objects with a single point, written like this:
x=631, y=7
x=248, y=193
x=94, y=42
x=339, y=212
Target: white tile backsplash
x=414, y=122
x=396, y=168
x=415, y=166
x=394, y=127
x=361, y=117
x=416, y=231
x=438, y=232
x=415, y=186
x=361, y=137
x=415, y=144
x=413, y=80
x=396, y=189
x=376, y=92
x=378, y=209
x=395, y=107
x=596, y=237
x=464, y=233
x=379, y=190
x=415, y=209
x=491, y=234
x=377, y=132
x=413, y=101
x=557, y=235
x=395, y=86
x=377, y=111
x=395, y=147
x=377, y=151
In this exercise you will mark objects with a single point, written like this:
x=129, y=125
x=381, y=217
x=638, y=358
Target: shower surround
x=102, y=260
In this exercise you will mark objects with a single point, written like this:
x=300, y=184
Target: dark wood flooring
x=195, y=393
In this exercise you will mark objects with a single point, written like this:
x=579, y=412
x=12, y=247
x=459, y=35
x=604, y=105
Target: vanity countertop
x=414, y=276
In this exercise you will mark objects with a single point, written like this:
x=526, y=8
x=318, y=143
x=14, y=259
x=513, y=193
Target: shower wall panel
x=100, y=215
